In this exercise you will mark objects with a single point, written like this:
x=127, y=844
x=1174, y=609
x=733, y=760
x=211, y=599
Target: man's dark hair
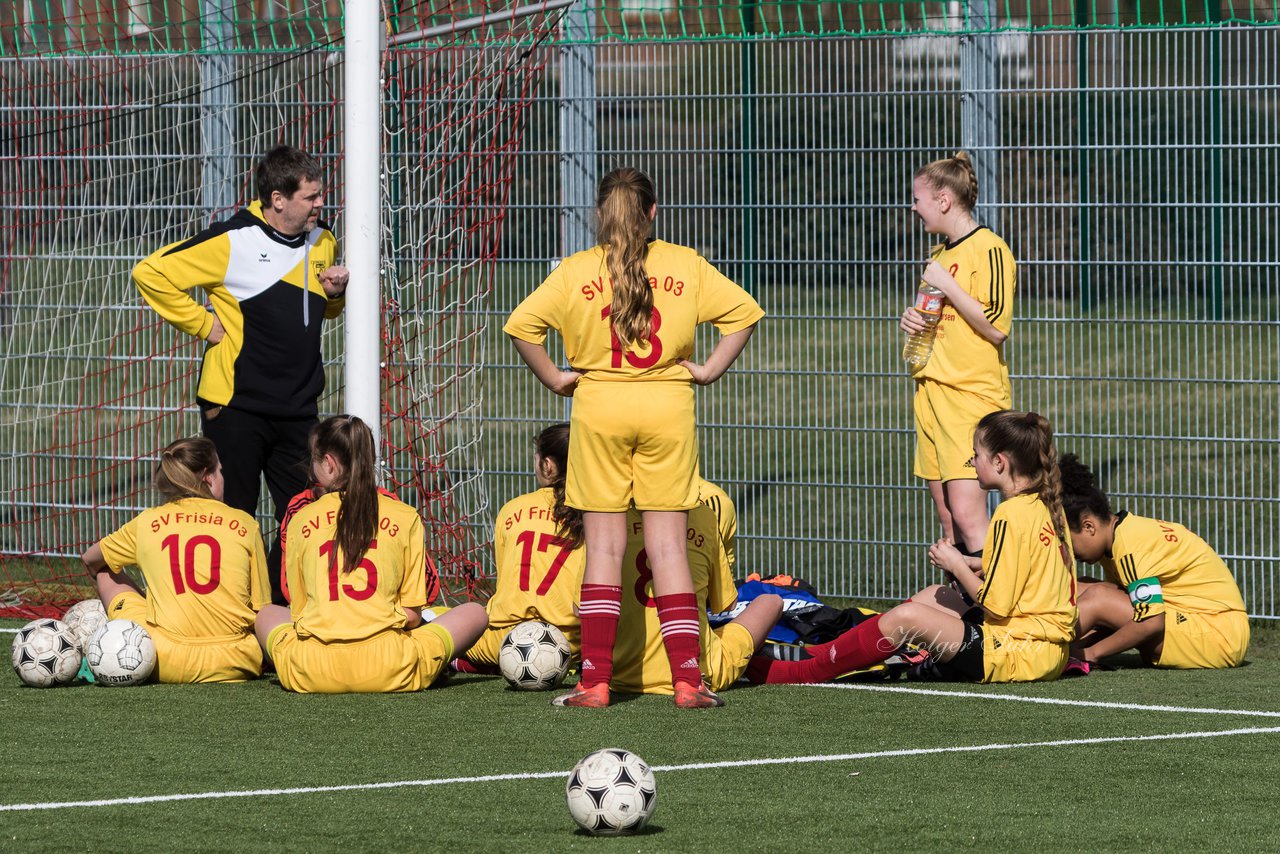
x=283, y=169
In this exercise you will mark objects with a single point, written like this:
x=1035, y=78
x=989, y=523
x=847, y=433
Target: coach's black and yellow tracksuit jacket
x=265, y=288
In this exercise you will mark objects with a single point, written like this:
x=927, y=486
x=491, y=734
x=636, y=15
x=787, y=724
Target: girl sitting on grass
x=355, y=564
x=1022, y=624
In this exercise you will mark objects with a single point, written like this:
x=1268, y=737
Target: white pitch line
x=1049, y=701
x=695, y=766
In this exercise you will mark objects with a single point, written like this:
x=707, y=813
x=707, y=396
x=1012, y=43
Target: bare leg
x=268, y=618
x=464, y=624
x=945, y=599
x=933, y=628
x=606, y=542
x=967, y=502
x=939, y=497
x=112, y=584
x=760, y=616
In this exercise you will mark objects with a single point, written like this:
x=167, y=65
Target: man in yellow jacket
x=269, y=276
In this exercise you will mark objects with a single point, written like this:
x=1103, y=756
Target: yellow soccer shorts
x=390, y=661
x=485, y=650
x=1007, y=659
x=945, y=422
x=1194, y=641
x=728, y=653
x=632, y=442
x=183, y=660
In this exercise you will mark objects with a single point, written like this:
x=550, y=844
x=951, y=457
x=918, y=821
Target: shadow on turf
x=647, y=830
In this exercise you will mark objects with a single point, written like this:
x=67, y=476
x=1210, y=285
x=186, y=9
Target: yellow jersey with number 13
x=577, y=297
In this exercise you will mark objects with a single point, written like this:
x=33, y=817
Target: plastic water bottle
x=919, y=346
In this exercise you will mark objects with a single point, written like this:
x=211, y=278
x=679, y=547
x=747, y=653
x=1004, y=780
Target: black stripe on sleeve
x=998, y=530
x=995, y=292
x=218, y=228
x=1130, y=571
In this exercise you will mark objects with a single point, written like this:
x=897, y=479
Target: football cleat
x=595, y=697
x=700, y=697
x=1077, y=667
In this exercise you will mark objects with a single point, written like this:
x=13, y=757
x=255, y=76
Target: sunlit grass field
x=1129, y=759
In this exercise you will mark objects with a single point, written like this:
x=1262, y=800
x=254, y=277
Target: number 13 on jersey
x=655, y=344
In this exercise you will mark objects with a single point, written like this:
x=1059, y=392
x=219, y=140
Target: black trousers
x=250, y=446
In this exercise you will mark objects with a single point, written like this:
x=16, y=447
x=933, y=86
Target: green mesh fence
x=114, y=26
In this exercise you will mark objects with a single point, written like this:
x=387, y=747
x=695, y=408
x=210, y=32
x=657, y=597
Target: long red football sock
x=681, y=634
x=860, y=647
x=598, y=610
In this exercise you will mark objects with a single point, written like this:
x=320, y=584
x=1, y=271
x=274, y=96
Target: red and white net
x=118, y=138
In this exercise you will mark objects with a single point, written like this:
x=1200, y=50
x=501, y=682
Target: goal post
x=116, y=140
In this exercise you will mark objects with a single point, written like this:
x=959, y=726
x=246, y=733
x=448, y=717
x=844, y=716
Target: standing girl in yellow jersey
x=537, y=547
x=204, y=567
x=627, y=310
x=355, y=564
x=966, y=376
x=1167, y=594
x=642, y=667
x=1022, y=625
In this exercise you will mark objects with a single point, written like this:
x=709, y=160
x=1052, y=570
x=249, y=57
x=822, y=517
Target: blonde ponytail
x=956, y=175
x=623, y=202
x=184, y=464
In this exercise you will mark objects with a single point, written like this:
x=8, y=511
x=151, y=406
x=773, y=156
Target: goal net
x=118, y=136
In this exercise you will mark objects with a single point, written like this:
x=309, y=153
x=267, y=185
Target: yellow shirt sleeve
x=120, y=548
x=294, y=558
x=999, y=593
x=994, y=281
x=723, y=302
x=1140, y=577
x=413, y=587
x=164, y=278
x=541, y=310
x=259, y=584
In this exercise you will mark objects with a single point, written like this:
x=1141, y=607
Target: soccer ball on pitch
x=121, y=653
x=45, y=653
x=611, y=792
x=85, y=618
x=534, y=656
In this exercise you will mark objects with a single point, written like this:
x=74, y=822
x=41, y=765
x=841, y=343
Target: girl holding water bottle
x=955, y=348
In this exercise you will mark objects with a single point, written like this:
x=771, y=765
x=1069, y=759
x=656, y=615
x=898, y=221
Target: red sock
x=681, y=635
x=598, y=611
x=763, y=670
x=860, y=647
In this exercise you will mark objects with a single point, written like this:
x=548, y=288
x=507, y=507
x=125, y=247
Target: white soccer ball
x=534, y=656
x=611, y=792
x=45, y=653
x=121, y=653
x=85, y=618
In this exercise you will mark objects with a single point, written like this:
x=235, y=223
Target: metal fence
x=1132, y=171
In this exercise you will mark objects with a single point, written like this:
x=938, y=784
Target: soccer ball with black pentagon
x=45, y=653
x=121, y=653
x=611, y=792
x=534, y=656
x=85, y=618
